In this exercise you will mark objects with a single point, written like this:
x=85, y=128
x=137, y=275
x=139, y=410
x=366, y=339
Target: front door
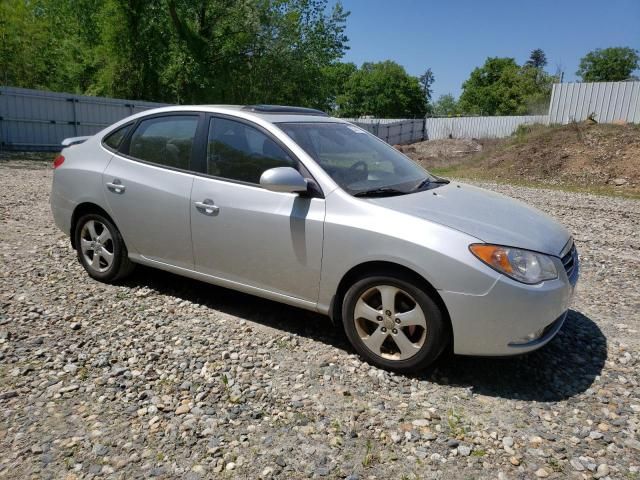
x=246, y=234
x=148, y=189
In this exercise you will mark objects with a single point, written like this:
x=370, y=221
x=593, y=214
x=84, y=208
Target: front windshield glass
x=359, y=162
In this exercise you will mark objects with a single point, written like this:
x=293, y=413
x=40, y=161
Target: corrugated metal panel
x=608, y=101
x=39, y=120
x=398, y=131
x=395, y=131
x=478, y=127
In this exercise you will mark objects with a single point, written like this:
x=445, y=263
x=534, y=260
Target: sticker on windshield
x=355, y=129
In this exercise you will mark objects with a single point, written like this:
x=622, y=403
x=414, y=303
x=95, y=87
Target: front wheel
x=100, y=249
x=393, y=324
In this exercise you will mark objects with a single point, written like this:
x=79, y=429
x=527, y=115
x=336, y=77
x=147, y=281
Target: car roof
x=269, y=113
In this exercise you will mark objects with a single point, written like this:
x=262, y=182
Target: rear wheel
x=393, y=324
x=100, y=249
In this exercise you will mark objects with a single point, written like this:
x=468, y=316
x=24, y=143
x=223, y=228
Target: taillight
x=59, y=160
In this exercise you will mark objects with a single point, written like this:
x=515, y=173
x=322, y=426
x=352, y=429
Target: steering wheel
x=360, y=163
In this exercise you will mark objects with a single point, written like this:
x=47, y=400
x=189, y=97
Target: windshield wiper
x=379, y=192
x=428, y=181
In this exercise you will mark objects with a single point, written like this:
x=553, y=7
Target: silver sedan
x=295, y=206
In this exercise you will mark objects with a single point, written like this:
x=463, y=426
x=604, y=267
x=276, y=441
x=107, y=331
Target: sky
x=453, y=37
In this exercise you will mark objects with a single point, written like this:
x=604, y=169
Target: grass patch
x=555, y=466
x=370, y=457
x=83, y=373
x=283, y=344
x=474, y=174
x=454, y=422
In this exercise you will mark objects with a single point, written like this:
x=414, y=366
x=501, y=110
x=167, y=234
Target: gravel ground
x=166, y=377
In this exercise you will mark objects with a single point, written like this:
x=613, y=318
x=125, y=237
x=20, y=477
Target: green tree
x=445, y=106
x=38, y=47
x=182, y=51
x=608, y=65
x=332, y=83
x=132, y=50
x=384, y=90
x=426, y=81
x=537, y=59
x=20, y=32
x=255, y=51
x=502, y=87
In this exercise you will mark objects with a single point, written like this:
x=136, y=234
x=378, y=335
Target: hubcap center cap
x=388, y=322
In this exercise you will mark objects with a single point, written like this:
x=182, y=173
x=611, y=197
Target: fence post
x=424, y=129
x=73, y=101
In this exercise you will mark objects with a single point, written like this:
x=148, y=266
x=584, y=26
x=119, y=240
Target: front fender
x=357, y=232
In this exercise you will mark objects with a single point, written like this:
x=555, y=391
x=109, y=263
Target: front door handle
x=116, y=186
x=207, y=207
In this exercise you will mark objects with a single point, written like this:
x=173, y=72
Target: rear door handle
x=207, y=207
x=116, y=186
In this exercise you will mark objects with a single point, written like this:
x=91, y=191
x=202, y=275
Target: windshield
x=359, y=162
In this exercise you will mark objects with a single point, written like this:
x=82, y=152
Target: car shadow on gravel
x=288, y=319
x=565, y=367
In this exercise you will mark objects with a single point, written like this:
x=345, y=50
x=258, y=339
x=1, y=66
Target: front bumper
x=498, y=322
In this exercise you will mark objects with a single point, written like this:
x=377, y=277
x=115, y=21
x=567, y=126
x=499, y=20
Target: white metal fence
x=39, y=120
x=393, y=130
x=478, y=127
x=607, y=101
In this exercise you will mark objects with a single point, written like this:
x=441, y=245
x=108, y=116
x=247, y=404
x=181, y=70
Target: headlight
x=521, y=265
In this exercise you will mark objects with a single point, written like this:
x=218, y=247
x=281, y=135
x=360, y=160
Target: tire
x=380, y=338
x=101, y=249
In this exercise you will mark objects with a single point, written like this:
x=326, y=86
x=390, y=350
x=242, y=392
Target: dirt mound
x=442, y=152
x=576, y=154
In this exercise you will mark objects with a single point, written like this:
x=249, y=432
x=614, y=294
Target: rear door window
x=166, y=141
x=238, y=151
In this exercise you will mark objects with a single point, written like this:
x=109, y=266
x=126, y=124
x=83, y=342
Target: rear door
x=148, y=186
x=244, y=233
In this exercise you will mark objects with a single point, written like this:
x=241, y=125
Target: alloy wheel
x=97, y=246
x=390, y=323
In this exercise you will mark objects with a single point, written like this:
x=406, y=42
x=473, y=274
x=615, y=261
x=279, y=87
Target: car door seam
x=190, y=210
x=324, y=223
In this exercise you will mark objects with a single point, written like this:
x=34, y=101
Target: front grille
x=570, y=260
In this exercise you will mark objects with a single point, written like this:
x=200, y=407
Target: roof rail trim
x=284, y=110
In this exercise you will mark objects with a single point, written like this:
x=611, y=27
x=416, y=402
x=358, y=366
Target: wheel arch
x=84, y=209
x=388, y=268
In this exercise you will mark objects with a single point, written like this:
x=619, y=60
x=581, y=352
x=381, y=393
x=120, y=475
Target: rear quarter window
x=114, y=139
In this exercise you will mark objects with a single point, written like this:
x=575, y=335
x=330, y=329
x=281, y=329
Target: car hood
x=488, y=216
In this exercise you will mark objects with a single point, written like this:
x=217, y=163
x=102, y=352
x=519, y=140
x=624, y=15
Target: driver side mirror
x=283, y=179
